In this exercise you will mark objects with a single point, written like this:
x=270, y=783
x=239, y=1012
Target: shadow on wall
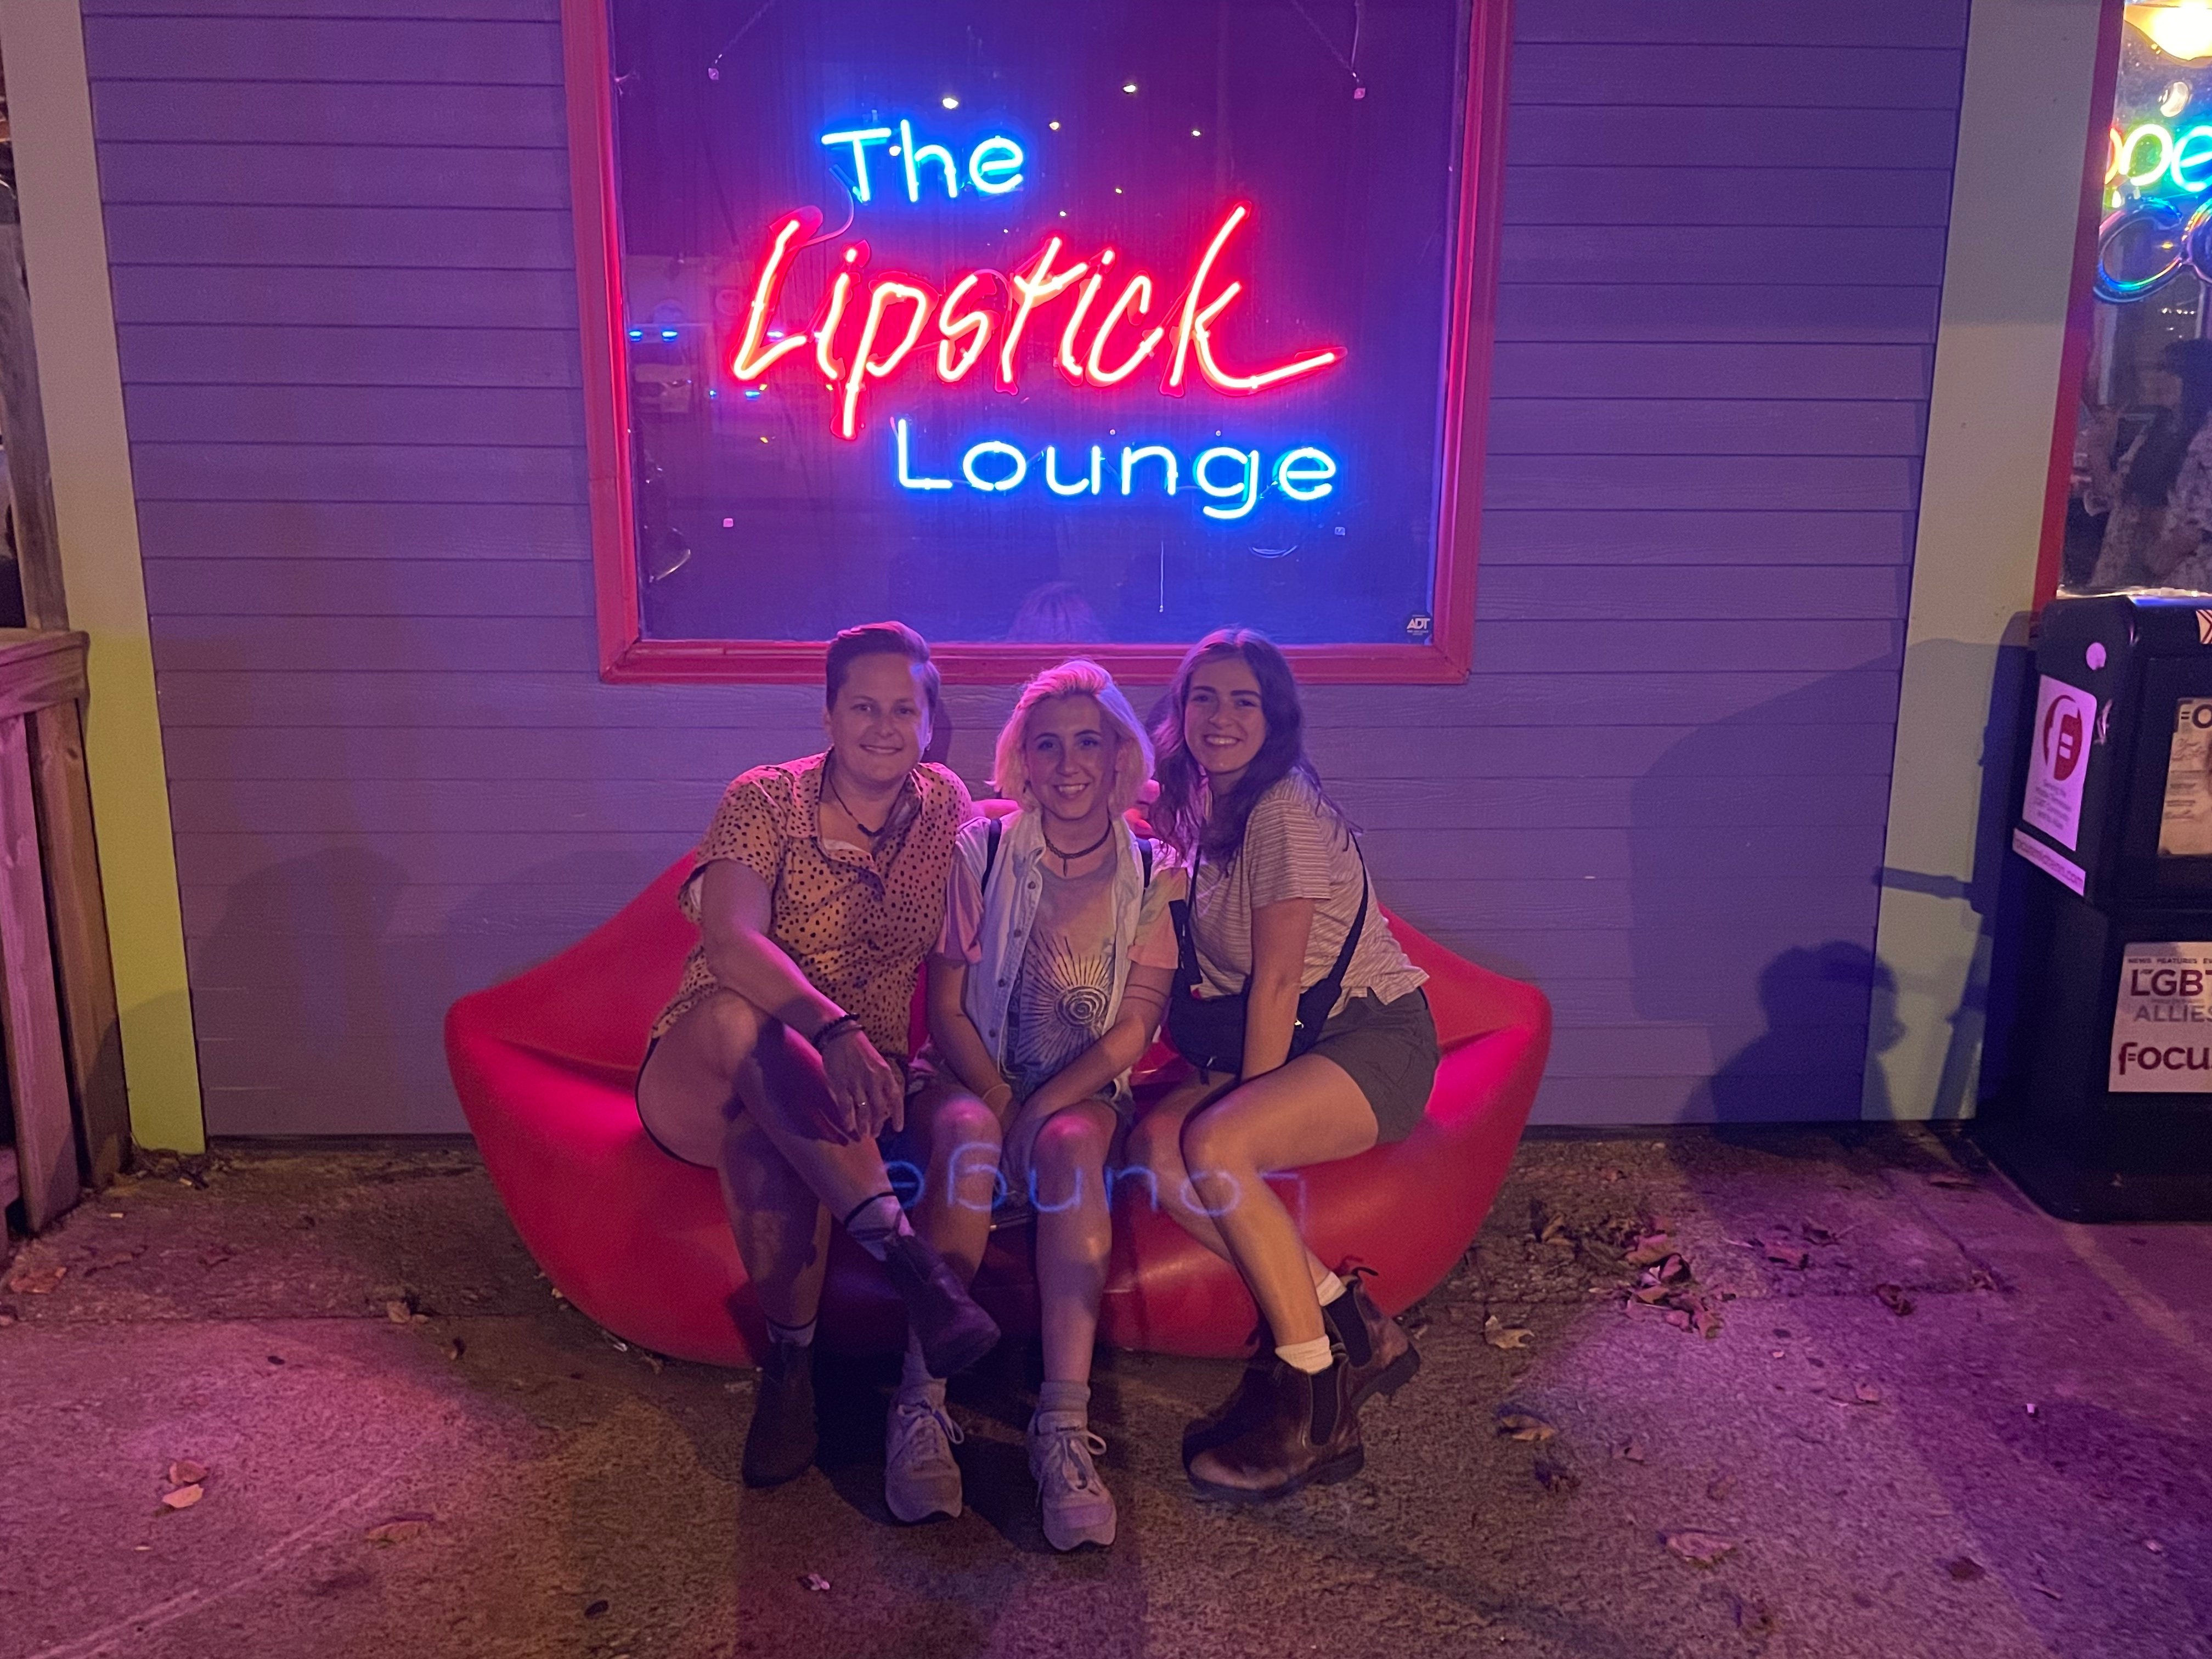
x=1803, y=1066
x=322, y=994
x=1798, y=790
x=1755, y=846
x=2000, y=682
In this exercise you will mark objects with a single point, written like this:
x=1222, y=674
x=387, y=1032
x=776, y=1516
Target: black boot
x=779, y=1445
x=953, y=1332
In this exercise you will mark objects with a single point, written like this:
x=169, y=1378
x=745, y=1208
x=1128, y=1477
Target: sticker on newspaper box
x=2065, y=716
x=2184, y=822
x=2163, y=1026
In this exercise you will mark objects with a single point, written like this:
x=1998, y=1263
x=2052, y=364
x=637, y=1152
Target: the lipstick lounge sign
x=1097, y=325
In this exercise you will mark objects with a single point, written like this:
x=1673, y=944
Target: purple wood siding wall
x=343, y=282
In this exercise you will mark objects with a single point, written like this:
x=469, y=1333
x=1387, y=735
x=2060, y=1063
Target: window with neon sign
x=2132, y=496
x=1036, y=325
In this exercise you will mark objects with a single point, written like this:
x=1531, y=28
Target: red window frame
x=626, y=657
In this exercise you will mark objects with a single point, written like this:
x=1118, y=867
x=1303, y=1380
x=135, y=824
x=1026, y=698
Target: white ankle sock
x=914, y=1378
x=1328, y=1290
x=797, y=1336
x=1311, y=1358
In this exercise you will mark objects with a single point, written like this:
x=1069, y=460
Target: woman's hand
x=866, y=1089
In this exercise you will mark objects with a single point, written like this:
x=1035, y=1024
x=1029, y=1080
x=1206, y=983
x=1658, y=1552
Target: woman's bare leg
x=955, y=1137
x=1308, y=1111
x=736, y=1092
x=1156, y=1145
x=1074, y=1233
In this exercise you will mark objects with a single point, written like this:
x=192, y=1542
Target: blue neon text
x=994, y=166
x=1232, y=480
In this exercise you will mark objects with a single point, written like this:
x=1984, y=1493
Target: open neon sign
x=865, y=330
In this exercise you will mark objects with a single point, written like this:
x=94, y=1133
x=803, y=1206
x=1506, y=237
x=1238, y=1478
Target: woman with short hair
x=1045, y=988
x=1312, y=1040
x=819, y=887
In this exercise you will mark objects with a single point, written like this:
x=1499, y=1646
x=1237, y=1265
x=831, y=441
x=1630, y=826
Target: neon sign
x=2151, y=234
x=1302, y=474
x=865, y=330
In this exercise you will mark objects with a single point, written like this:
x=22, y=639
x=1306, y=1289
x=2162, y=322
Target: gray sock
x=796, y=1336
x=1069, y=1397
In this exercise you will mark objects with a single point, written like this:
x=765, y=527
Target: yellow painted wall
x=65, y=244
x=2007, y=272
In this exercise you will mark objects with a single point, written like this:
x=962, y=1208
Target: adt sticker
x=2064, y=717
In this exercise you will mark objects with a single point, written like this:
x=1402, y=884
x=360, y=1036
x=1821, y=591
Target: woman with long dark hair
x=2160, y=490
x=1312, y=1040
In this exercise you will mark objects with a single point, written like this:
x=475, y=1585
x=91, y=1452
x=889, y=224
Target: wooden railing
x=70, y=1118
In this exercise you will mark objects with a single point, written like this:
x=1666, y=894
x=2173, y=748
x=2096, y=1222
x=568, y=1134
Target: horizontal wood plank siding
x=346, y=298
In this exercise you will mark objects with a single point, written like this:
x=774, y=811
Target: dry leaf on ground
x=1965, y=1569
x=37, y=1281
x=1867, y=1395
x=814, y=1581
x=184, y=1497
x=186, y=1472
x=99, y=1261
x=1651, y=1248
x=1556, y=1479
x=1631, y=1452
x=398, y=1531
x=1812, y=1233
x=1702, y=1549
x=1524, y=1426
x=1497, y=1333
x=596, y=1609
x=1720, y=1486
x=1786, y=1257
x=398, y=1312
x=1892, y=1297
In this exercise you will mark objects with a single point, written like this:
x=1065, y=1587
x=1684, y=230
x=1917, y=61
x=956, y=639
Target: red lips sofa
x=546, y=1064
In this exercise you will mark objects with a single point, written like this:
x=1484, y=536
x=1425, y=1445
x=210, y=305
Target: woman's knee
x=962, y=1123
x=1210, y=1145
x=1070, y=1141
x=729, y=1030
x=1155, y=1144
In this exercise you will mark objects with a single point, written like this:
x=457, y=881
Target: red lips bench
x=546, y=1064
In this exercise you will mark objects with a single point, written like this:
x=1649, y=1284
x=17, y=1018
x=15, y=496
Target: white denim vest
x=1010, y=907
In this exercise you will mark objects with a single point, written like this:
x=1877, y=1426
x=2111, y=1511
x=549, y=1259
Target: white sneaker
x=1075, y=1504
x=921, y=1478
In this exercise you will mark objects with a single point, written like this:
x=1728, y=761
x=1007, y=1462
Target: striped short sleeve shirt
x=1296, y=848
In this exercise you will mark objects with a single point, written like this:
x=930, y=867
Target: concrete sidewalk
x=1931, y=1421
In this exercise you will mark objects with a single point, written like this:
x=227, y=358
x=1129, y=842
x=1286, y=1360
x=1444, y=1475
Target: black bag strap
x=990, y=854
x=1145, y=852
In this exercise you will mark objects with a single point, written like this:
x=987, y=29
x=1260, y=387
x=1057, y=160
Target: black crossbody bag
x=1209, y=1031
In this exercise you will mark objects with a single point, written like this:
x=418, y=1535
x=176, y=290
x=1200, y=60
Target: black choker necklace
x=829, y=783
x=1066, y=859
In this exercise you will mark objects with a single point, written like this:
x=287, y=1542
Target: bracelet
x=830, y=1030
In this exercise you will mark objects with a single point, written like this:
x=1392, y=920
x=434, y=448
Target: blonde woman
x=1046, y=987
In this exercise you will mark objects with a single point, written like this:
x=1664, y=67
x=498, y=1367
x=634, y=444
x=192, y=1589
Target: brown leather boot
x=1309, y=1436
x=1246, y=1406
x=1382, y=1356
